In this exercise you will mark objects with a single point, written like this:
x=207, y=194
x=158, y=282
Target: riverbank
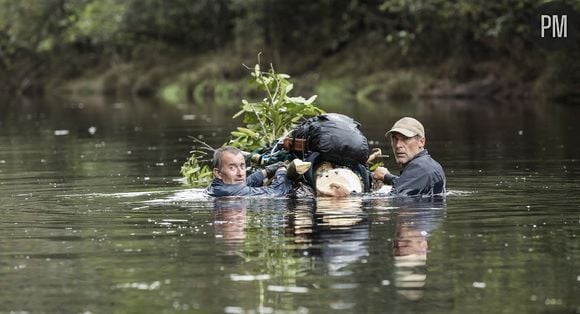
x=341, y=50
x=365, y=70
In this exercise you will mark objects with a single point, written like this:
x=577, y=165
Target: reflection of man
x=229, y=170
x=410, y=246
x=410, y=241
x=230, y=222
x=230, y=219
x=410, y=255
x=343, y=233
x=420, y=174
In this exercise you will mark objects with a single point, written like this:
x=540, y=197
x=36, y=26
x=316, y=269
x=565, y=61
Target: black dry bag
x=336, y=137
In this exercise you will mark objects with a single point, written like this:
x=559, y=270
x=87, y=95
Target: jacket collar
x=419, y=154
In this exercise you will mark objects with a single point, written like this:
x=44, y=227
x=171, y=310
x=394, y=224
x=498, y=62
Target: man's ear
x=422, y=141
x=216, y=173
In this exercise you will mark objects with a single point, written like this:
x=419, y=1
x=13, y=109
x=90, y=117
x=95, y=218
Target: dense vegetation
x=266, y=121
x=394, y=47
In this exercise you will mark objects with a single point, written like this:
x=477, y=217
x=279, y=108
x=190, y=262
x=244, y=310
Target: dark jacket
x=280, y=186
x=420, y=176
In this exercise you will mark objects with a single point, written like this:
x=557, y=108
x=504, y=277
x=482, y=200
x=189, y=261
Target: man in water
x=420, y=174
x=229, y=171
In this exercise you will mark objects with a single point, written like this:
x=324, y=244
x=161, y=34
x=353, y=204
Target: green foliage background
x=46, y=43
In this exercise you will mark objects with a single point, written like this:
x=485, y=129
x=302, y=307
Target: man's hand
x=338, y=190
x=379, y=173
x=271, y=169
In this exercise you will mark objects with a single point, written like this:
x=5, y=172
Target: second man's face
x=233, y=169
x=405, y=148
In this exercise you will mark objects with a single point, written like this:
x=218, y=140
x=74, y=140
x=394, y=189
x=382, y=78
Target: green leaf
x=257, y=70
x=238, y=134
x=239, y=113
x=248, y=132
x=311, y=100
x=297, y=100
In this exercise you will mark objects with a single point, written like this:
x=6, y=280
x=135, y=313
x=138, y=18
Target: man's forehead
x=233, y=157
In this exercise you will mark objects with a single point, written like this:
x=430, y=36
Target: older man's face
x=405, y=148
x=233, y=169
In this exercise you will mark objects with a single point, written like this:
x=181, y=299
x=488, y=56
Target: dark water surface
x=94, y=219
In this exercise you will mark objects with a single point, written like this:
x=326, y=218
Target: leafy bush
x=266, y=121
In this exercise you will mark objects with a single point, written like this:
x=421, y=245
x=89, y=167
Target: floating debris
x=235, y=277
x=92, y=130
x=140, y=285
x=175, y=220
x=340, y=305
x=340, y=286
x=553, y=301
x=292, y=289
x=118, y=105
x=233, y=310
x=61, y=132
x=479, y=285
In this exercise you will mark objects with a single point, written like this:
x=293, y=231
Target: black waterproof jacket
x=280, y=186
x=420, y=176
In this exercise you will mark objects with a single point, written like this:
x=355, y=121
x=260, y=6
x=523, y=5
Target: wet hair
x=217, y=155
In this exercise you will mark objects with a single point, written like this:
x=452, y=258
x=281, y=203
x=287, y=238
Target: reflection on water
x=99, y=222
x=230, y=223
x=414, y=223
x=342, y=232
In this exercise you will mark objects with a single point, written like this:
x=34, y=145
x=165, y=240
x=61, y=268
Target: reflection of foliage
x=266, y=249
x=266, y=121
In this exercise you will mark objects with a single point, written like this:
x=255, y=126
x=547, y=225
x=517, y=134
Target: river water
x=95, y=219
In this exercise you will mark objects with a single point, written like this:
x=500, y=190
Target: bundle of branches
x=265, y=122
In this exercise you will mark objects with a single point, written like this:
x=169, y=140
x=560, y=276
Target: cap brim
x=405, y=132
